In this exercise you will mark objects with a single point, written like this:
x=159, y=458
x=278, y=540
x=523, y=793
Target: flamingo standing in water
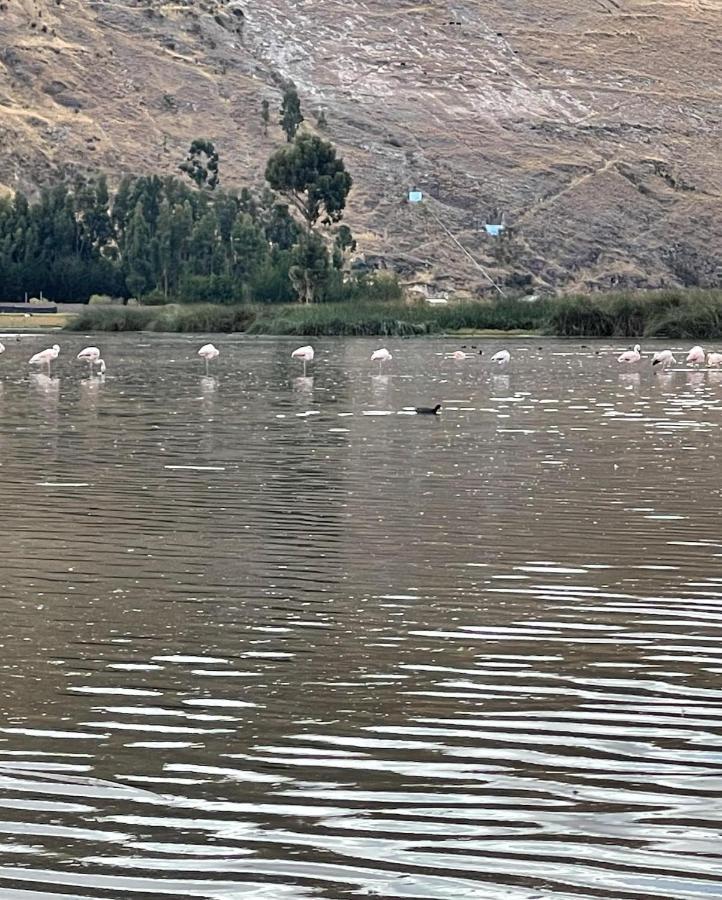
x=630, y=356
x=305, y=354
x=382, y=356
x=696, y=356
x=45, y=357
x=664, y=359
x=714, y=360
x=208, y=352
x=502, y=357
x=91, y=355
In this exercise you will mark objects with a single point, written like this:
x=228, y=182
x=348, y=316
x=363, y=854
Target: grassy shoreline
x=12, y=322
x=677, y=314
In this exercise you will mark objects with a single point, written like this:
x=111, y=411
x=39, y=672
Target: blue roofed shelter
x=415, y=196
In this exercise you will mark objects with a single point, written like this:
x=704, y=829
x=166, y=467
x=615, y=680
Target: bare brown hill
x=594, y=126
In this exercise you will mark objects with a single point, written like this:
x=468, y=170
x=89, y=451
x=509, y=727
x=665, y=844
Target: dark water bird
x=428, y=410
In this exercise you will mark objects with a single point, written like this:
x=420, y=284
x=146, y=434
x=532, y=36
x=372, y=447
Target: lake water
x=265, y=637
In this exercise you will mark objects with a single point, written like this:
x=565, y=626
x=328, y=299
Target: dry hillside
x=593, y=125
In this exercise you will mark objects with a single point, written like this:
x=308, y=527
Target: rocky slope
x=594, y=126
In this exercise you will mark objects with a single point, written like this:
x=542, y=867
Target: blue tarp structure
x=494, y=230
x=415, y=196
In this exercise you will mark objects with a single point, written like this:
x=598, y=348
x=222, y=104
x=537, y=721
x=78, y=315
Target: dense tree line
x=156, y=237
x=160, y=238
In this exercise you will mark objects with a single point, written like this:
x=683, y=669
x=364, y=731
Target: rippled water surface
x=264, y=636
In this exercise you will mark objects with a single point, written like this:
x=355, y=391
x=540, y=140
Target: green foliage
x=312, y=177
x=271, y=282
x=208, y=289
x=343, y=242
x=202, y=318
x=381, y=287
x=368, y=316
x=114, y=318
x=250, y=247
x=196, y=318
x=581, y=316
x=201, y=164
x=280, y=229
x=291, y=116
x=309, y=270
x=344, y=319
x=155, y=297
x=159, y=240
x=501, y=315
x=682, y=314
x=60, y=245
x=686, y=315
x=137, y=265
x=101, y=300
x=157, y=236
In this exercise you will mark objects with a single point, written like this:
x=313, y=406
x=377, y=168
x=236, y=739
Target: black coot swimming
x=428, y=410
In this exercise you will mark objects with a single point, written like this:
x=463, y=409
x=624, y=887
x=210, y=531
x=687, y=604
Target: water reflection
x=257, y=649
x=630, y=380
x=379, y=385
x=45, y=384
x=303, y=384
x=664, y=379
x=500, y=383
x=209, y=385
x=90, y=391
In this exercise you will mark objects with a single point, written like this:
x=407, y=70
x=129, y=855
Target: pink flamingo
x=664, y=359
x=382, y=356
x=502, y=357
x=208, y=352
x=630, y=356
x=91, y=355
x=714, y=360
x=695, y=356
x=45, y=357
x=305, y=354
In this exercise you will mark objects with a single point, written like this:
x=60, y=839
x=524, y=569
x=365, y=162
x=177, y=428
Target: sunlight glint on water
x=266, y=636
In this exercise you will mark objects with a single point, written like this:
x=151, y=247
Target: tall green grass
x=201, y=317
x=401, y=319
x=365, y=318
x=112, y=318
x=683, y=314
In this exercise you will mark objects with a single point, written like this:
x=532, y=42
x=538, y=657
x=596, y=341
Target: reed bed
x=677, y=314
